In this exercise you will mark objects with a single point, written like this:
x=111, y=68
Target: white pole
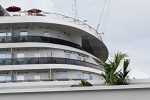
x=74, y=9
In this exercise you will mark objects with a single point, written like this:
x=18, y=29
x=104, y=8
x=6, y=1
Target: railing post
x=50, y=73
x=65, y=61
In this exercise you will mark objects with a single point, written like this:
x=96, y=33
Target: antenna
x=74, y=9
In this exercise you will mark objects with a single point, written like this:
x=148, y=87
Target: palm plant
x=82, y=84
x=111, y=75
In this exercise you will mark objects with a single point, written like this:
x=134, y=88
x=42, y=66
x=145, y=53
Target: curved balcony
x=64, y=18
x=46, y=60
x=15, y=39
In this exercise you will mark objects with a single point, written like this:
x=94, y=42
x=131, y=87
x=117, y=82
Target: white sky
x=127, y=28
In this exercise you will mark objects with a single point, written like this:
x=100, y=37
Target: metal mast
x=74, y=9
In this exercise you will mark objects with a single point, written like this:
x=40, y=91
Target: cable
x=107, y=15
x=101, y=16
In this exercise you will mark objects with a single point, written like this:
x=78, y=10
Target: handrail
x=65, y=18
x=39, y=80
x=15, y=39
x=46, y=60
x=78, y=22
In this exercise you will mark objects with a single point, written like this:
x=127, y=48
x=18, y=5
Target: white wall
x=131, y=92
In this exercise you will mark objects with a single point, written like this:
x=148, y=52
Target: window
x=5, y=78
x=90, y=77
x=24, y=33
x=2, y=78
x=23, y=36
x=37, y=77
x=8, y=78
x=67, y=55
x=63, y=75
x=20, y=77
x=80, y=76
x=46, y=34
x=2, y=37
x=37, y=54
x=8, y=55
x=78, y=57
x=20, y=55
x=2, y=34
x=2, y=56
x=9, y=34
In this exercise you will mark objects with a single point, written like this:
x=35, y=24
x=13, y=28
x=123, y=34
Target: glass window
x=20, y=77
x=2, y=56
x=2, y=34
x=37, y=54
x=80, y=76
x=67, y=55
x=8, y=55
x=8, y=78
x=24, y=33
x=2, y=78
x=63, y=75
x=2, y=37
x=5, y=78
x=20, y=55
x=37, y=77
x=9, y=34
x=90, y=77
x=46, y=34
x=78, y=57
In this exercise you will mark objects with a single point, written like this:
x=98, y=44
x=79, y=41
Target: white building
x=42, y=55
x=48, y=47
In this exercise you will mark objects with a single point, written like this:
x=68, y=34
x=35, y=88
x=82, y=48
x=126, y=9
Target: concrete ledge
x=124, y=92
x=47, y=87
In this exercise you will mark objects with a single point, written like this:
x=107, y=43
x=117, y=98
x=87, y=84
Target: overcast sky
x=127, y=28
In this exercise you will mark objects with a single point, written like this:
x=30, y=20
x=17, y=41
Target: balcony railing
x=46, y=60
x=39, y=80
x=75, y=21
x=65, y=19
x=15, y=39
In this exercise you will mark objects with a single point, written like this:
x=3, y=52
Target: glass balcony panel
x=59, y=61
x=3, y=39
x=45, y=60
x=24, y=38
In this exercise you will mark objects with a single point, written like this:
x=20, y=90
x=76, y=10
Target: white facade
x=48, y=48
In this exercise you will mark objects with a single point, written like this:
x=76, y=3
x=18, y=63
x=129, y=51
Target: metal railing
x=15, y=39
x=73, y=20
x=65, y=19
x=37, y=80
x=46, y=60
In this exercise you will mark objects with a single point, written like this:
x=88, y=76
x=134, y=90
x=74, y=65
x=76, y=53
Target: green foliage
x=82, y=84
x=111, y=75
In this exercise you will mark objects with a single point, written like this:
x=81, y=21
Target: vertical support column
x=11, y=55
x=11, y=73
x=11, y=31
x=16, y=75
x=50, y=73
